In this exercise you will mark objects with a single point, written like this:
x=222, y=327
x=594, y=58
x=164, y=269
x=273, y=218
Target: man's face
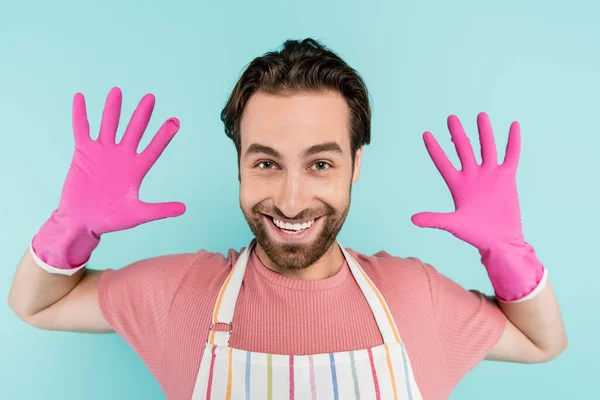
x=296, y=173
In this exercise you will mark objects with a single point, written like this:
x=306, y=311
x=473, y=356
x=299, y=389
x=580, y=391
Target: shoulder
x=153, y=283
x=385, y=264
x=173, y=264
x=398, y=277
x=165, y=273
x=207, y=270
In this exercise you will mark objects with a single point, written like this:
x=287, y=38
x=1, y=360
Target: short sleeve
x=469, y=325
x=135, y=300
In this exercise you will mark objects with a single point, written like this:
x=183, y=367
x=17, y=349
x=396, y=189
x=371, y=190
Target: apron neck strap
x=227, y=298
x=381, y=311
x=225, y=305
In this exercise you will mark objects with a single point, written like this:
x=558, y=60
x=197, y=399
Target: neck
x=328, y=265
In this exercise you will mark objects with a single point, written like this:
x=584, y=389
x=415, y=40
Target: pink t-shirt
x=162, y=307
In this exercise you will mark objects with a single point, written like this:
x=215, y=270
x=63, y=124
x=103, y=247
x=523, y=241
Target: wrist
x=514, y=271
x=63, y=243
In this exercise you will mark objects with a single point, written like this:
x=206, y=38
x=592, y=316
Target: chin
x=295, y=255
x=303, y=243
x=291, y=252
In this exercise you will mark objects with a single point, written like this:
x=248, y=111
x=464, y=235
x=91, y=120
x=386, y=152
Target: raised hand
x=101, y=191
x=487, y=213
x=485, y=196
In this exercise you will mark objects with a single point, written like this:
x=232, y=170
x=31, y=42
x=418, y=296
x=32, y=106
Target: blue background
x=534, y=62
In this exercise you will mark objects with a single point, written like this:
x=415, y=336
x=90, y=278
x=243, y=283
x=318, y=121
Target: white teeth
x=293, y=227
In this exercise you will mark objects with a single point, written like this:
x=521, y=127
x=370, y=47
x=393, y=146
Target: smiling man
x=296, y=171
x=294, y=314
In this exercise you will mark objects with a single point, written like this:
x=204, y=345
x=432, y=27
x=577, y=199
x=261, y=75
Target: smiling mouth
x=292, y=228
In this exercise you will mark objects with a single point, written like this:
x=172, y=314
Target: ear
x=357, y=163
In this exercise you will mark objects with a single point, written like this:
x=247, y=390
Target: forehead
x=292, y=122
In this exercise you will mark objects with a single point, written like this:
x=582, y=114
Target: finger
x=161, y=140
x=139, y=122
x=513, y=147
x=81, y=126
x=155, y=211
x=489, y=154
x=462, y=143
x=439, y=158
x=110, y=116
x=434, y=220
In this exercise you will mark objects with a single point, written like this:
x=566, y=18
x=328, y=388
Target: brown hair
x=305, y=65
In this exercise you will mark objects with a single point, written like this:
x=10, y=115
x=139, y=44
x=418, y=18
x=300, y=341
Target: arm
x=55, y=301
x=133, y=301
x=51, y=288
x=487, y=216
x=534, y=331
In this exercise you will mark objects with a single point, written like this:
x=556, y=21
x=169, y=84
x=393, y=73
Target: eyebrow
x=256, y=148
x=331, y=147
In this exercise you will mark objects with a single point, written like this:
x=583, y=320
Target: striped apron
x=382, y=372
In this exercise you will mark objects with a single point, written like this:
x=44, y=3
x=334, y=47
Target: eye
x=321, y=165
x=266, y=165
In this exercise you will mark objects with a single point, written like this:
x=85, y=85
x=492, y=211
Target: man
x=294, y=314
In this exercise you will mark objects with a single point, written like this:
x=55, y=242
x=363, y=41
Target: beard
x=291, y=256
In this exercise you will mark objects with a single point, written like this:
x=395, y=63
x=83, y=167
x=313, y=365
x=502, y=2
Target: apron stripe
x=229, y=372
x=354, y=376
x=213, y=379
x=381, y=301
x=211, y=373
x=333, y=376
x=391, y=369
x=248, y=364
x=220, y=300
x=406, y=376
x=291, y=377
x=313, y=386
x=270, y=376
x=374, y=373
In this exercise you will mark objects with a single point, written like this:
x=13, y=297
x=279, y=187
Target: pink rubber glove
x=100, y=194
x=487, y=213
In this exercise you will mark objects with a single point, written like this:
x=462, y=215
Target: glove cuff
x=49, y=268
x=514, y=271
x=541, y=285
x=62, y=245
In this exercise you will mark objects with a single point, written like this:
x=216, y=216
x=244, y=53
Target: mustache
x=306, y=214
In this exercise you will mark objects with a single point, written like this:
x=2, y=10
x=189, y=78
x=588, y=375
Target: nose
x=293, y=195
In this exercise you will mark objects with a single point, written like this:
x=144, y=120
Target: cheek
x=333, y=190
x=254, y=189
x=248, y=194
